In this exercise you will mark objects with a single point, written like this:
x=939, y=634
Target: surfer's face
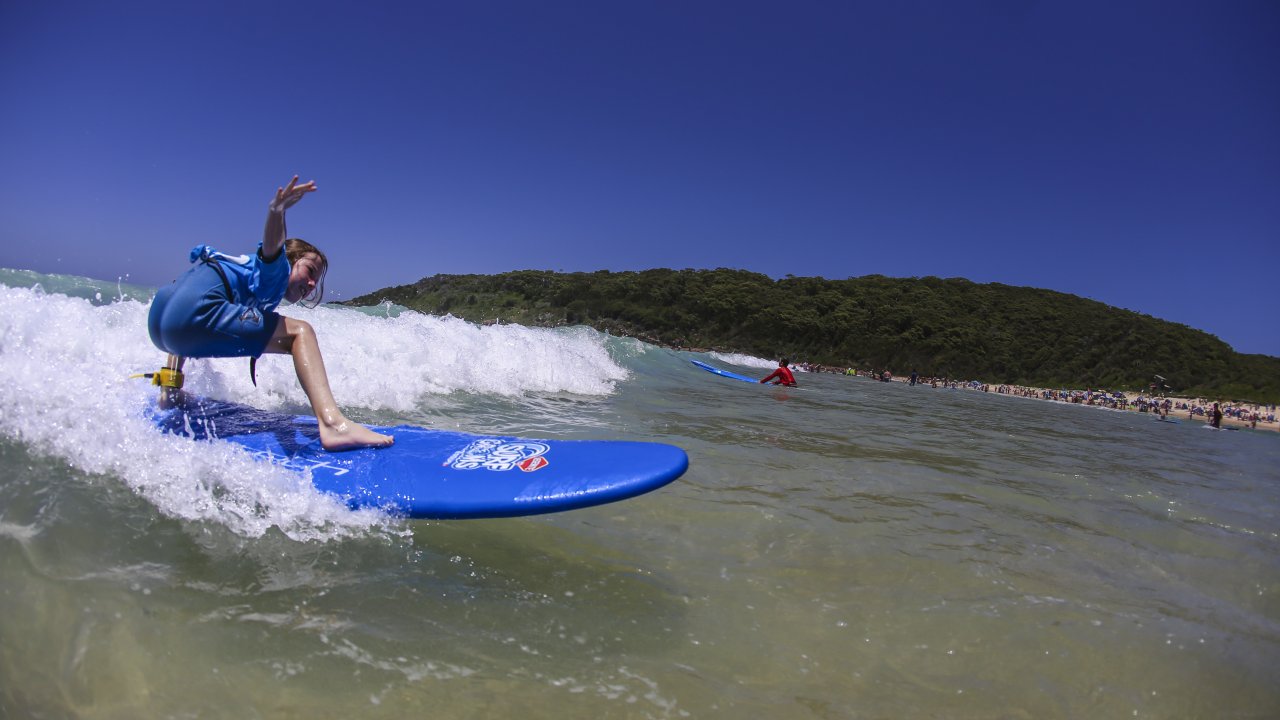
x=304, y=277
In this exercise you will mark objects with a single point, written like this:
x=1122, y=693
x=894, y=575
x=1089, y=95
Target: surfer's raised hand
x=286, y=197
x=289, y=195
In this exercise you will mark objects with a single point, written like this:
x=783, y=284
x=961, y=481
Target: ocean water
x=847, y=549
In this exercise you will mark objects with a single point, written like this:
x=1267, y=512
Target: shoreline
x=1182, y=409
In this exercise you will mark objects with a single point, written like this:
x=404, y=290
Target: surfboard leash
x=164, y=377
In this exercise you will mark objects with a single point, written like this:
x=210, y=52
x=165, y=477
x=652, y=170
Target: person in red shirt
x=783, y=375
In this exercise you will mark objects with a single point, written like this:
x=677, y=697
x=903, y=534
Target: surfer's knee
x=303, y=328
x=297, y=329
x=288, y=333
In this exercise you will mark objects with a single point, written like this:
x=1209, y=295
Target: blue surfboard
x=724, y=373
x=438, y=473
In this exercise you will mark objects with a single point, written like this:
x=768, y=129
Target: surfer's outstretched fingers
x=288, y=196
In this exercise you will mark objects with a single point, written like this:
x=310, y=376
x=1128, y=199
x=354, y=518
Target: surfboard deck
x=723, y=373
x=439, y=474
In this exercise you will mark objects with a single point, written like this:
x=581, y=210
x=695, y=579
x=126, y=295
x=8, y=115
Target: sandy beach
x=1181, y=409
x=1243, y=416
x=1247, y=416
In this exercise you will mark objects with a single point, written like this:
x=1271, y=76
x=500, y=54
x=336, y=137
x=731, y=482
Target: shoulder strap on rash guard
x=212, y=262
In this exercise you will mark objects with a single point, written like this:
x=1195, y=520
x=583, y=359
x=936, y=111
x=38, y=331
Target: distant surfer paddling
x=781, y=376
x=225, y=306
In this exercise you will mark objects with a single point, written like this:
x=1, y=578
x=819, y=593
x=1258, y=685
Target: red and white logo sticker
x=533, y=463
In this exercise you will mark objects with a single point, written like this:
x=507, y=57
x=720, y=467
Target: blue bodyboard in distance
x=439, y=474
x=724, y=373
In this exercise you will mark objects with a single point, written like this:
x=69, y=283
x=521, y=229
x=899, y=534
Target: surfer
x=783, y=375
x=225, y=306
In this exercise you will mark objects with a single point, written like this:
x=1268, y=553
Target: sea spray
x=68, y=396
x=393, y=362
x=744, y=360
x=67, y=362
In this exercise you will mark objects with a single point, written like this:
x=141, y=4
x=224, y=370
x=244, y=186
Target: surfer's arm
x=274, y=235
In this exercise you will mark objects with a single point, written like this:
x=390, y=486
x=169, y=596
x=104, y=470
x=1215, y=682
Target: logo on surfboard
x=533, y=463
x=499, y=454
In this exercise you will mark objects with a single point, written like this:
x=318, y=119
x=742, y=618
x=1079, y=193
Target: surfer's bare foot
x=347, y=435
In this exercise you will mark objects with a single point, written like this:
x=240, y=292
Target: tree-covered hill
x=947, y=327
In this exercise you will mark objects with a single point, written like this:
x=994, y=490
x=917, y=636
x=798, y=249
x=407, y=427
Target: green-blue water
x=849, y=549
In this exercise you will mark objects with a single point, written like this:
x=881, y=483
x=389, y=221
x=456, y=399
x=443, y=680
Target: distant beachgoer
x=1217, y=416
x=782, y=374
x=225, y=306
x=914, y=376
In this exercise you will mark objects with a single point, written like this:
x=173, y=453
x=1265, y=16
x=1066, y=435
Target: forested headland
x=943, y=327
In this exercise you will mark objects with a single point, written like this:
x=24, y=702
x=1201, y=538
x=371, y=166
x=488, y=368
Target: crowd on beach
x=1215, y=413
x=1243, y=415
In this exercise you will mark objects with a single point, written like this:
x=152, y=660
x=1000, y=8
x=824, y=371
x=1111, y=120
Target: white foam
x=65, y=363
x=744, y=360
x=393, y=361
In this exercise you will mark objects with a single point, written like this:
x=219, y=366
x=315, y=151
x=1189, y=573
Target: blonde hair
x=295, y=249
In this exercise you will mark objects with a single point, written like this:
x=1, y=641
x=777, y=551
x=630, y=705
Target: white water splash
x=744, y=360
x=66, y=394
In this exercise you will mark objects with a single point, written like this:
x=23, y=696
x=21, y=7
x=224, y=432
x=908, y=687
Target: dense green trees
x=948, y=327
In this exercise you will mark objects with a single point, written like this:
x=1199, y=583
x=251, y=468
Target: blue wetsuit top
x=224, y=306
x=253, y=280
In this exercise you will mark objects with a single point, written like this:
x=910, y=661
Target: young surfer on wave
x=225, y=306
x=783, y=375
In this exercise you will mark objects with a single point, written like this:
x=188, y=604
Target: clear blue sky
x=1127, y=152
